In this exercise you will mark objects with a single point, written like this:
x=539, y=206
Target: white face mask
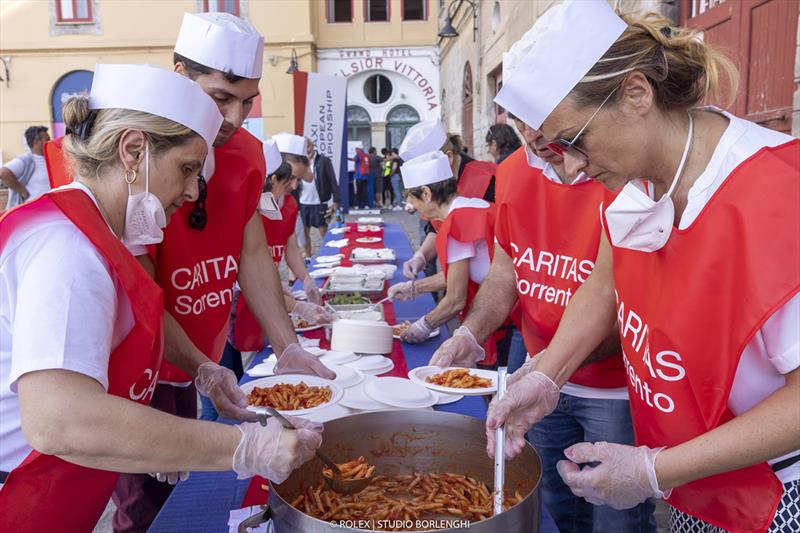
x=268, y=207
x=636, y=221
x=144, y=214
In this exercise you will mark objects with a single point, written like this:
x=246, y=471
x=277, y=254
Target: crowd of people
x=634, y=261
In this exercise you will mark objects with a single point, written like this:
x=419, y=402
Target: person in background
x=501, y=140
x=26, y=175
x=396, y=179
x=318, y=196
x=376, y=175
x=363, y=198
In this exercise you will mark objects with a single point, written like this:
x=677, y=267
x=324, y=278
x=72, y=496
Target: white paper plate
x=434, y=333
x=372, y=364
x=444, y=399
x=338, y=358
x=346, y=376
x=400, y=392
x=329, y=413
x=368, y=240
x=263, y=369
x=356, y=398
x=312, y=327
x=329, y=258
x=294, y=379
x=419, y=374
x=368, y=228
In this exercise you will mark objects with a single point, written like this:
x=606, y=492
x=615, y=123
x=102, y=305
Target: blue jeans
x=231, y=358
x=585, y=420
x=517, y=352
x=398, y=190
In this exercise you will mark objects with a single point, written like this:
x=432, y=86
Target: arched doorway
x=398, y=122
x=466, y=120
x=70, y=84
x=358, y=125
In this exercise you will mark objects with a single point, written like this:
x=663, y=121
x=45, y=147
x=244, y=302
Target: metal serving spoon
x=338, y=482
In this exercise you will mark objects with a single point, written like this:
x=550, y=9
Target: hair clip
x=666, y=31
x=84, y=129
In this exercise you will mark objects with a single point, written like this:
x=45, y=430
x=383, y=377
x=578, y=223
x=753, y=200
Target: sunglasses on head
x=198, y=217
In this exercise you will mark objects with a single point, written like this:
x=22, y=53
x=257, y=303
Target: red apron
x=728, y=272
x=552, y=231
x=247, y=333
x=469, y=224
x=57, y=165
x=45, y=493
x=197, y=269
x=476, y=178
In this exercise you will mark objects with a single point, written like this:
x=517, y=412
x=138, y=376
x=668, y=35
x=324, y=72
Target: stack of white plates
x=400, y=392
x=371, y=364
x=346, y=377
x=337, y=358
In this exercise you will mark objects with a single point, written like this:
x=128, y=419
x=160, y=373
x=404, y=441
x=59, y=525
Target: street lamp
x=449, y=31
x=293, y=66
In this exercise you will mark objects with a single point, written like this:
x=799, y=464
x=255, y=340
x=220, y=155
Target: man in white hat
x=547, y=235
x=210, y=245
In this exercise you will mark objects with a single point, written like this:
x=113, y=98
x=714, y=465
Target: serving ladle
x=338, y=483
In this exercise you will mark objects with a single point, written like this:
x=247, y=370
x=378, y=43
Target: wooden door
x=466, y=122
x=761, y=37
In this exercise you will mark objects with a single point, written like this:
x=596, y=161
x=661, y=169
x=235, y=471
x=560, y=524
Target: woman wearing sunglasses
x=698, y=265
x=81, y=320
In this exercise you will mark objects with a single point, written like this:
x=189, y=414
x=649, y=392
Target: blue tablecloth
x=204, y=501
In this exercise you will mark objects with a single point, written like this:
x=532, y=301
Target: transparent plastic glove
x=295, y=360
x=459, y=350
x=528, y=367
x=414, y=266
x=170, y=477
x=219, y=384
x=418, y=332
x=273, y=451
x=625, y=477
x=527, y=401
x=402, y=292
x=313, y=313
x=311, y=290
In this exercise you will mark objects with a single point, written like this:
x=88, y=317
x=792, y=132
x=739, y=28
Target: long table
x=204, y=501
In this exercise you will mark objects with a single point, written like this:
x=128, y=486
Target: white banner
x=324, y=117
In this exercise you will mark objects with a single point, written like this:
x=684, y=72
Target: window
x=398, y=122
x=376, y=10
x=340, y=10
x=415, y=9
x=377, y=89
x=74, y=11
x=358, y=125
x=224, y=6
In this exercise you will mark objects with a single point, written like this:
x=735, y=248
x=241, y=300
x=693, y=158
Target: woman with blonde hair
x=699, y=266
x=81, y=321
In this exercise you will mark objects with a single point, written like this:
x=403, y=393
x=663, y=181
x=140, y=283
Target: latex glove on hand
x=295, y=360
x=311, y=290
x=625, y=477
x=528, y=367
x=219, y=384
x=273, y=451
x=526, y=402
x=415, y=265
x=313, y=313
x=402, y=292
x=459, y=350
x=170, y=477
x=418, y=332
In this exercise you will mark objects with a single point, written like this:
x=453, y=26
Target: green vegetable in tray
x=348, y=299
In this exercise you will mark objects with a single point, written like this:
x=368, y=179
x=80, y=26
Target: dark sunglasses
x=198, y=217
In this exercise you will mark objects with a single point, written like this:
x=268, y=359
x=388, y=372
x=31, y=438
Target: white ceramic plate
x=294, y=379
x=346, y=376
x=337, y=358
x=419, y=374
x=368, y=240
x=400, y=392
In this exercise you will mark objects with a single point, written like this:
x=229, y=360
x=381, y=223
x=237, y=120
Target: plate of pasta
x=454, y=380
x=292, y=394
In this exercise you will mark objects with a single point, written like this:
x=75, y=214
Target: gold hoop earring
x=130, y=176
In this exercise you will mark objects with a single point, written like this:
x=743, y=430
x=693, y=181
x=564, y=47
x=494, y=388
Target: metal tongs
x=499, y=448
x=338, y=483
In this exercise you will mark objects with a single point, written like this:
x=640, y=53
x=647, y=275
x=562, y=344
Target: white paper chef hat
x=421, y=138
x=159, y=92
x=289, y=143
x=520, y=49
x=272, y=155
x=569, y=39
x=223, y=42
x=425, y=169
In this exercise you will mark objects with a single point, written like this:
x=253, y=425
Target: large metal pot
x=399, y=442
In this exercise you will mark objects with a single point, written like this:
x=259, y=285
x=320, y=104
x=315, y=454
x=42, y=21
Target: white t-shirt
x=308, y=190
x=476, y=251
x=60, y=307
x=39, y=182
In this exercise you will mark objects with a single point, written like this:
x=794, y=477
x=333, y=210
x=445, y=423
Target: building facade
x=385, y=48
x=471, y=63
